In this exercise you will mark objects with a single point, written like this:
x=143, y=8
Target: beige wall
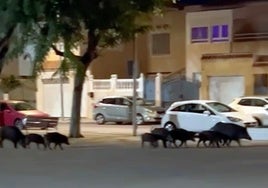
x=227, y=67
x=176, y=60
x=194, y=51
x=255, y=47
x=114, y=61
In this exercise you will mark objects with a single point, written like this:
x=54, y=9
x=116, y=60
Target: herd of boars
x=16, y=136
x=222, y=134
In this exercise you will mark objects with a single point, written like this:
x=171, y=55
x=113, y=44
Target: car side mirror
x=207, y=112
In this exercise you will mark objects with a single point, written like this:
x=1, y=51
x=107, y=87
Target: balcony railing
x=239, y=37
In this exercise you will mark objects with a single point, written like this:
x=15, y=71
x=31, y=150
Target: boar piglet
x=182, y=135
x=163, y=135
x=56, y=138
x=150, y=138
x=35, y=138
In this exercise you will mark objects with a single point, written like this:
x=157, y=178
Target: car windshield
x=220, y=107
x=21, y=106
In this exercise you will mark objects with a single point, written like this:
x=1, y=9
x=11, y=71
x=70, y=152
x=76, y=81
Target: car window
x=126, y=102
x=245, y=102
x=22, y=106
x=258, y=102
x=108, y=101
x=194, y=108
x=181, y=108
x=220, y=107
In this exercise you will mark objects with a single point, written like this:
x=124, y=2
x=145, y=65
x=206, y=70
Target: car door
x=107, y=108
x=197, y=117
x=122, y=110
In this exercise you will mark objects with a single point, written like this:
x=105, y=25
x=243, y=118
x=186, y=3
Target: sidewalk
x=109, y=135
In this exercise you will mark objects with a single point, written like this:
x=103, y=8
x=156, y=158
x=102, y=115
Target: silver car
x=119, y=109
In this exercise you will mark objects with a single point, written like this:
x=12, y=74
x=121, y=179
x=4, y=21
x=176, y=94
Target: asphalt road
x=133, y=167
x=126, y=165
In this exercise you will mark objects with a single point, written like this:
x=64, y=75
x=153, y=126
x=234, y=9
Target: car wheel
x=169, y=126
x=259, y=122
x=100, y=119
x=18, y=123
x=139, y=119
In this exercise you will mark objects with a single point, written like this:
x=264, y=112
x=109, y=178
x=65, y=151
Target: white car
x=257, y=106
x=200, y=115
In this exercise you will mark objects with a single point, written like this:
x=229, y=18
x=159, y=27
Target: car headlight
x=148, y=111
x=234, y=119
x=24, y=121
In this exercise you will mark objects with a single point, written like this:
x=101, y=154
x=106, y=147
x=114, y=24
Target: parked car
x=119, y=109
x=199, y=115
x=14, y=113
x=257, y=106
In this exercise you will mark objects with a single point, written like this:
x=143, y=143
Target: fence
x=49, y=97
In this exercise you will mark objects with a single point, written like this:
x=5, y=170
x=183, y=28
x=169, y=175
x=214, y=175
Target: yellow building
x=223, y=47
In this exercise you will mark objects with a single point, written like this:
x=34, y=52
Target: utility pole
x=134, y=74
x=61, y=47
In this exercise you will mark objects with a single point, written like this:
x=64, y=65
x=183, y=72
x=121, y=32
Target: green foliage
x=103, y=22
x=95, y=23
x=9, y=83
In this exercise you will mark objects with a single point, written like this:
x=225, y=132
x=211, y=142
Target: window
x=160, y=44
x=258, y=102
x=219, y=33
x=182, y=108
x=108, y=101
x=245, y=102
x=260, y=84
x=199, y=34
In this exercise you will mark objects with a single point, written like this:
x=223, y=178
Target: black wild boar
x=151, y=138
x=163, y=135
x=233, y=131
x=182, y=135
x=35, y=138
x=12, y=134
x=56, y=138
x=212, y=137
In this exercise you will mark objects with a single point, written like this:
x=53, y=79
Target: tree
x=9, y=83
x=98, y=23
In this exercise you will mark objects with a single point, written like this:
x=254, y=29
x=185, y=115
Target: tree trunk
x=76, y=106
x=85, y=60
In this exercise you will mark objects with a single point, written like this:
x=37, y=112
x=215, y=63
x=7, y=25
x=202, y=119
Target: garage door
x=226, y=88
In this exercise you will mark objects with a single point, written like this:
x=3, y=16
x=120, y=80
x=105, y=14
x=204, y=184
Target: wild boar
x=35, y=138
x=233, y=131
x=163, y=135
x=151, y=138
x=182, y=135
x=56, y=138
x=13, y=134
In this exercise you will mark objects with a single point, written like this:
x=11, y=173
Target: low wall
x=258, y=133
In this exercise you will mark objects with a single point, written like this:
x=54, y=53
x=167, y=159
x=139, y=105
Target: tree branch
x=57, y=51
